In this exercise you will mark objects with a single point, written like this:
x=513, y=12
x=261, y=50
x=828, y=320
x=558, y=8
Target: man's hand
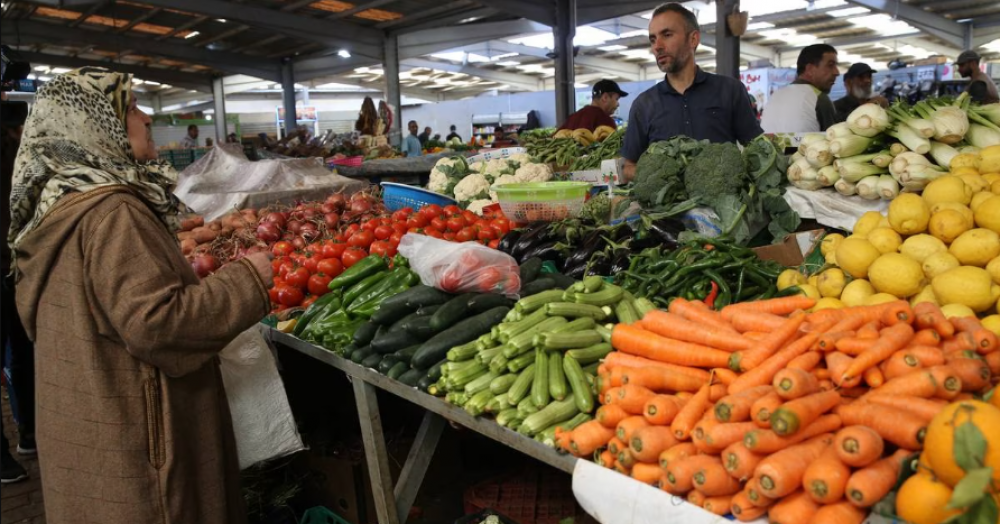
x=880, y=100
x=262, y=263
x=628, y=172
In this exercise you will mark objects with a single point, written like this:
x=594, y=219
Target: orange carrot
x=929, y=316
x=648, y=442
x=792, y=383
x=606, y=459
x=826, y=479
x=678, y=328
x=854, y=346
x=615, y=446
x=920, y=384
x=677, y=452
x=926, y=337
x=661, y=409
x=700, y=433
x=603, y=380
x=724, y=375
x=736, y=407
x=797, y=508
x=873, y=377
x=743, y=508
x=758, y=335
x=842, y=512
x=927, y=356
x=849, y=323
x=869, y=485
x=891, y=340
x=680, y=473
x=764, y=441
x=627, y=427
x=646, y=473
x=781, y=473
x=898, y=312
x=828, y=341
x=948, y=381
x=902, y=428
x=985, y=340
x=713, y=480
x=751, y=321
x=635, y=341
x=689, y=414
x=685, y=309
x=764, y=373
x=962, y=341
x=762, y=408
x=762, y=349
x=806, y=361
x=974, y=373
x=739, y=461
x=869, y=331
x=622, y=469
x=923, y=407
x=757, y=498
x=838, y=363
x=660, y=380
x=776, y=306
x=632, y=398
x=801, y=412
x=993, y=362
x=900, y=364
x=821, y=374
x=826, y=384
x=610, y=397
x=610, y=415
x=696, y=497
x=588, y=437
x=858, y=446
x=825, y=316
x=724, y=434
x=617, y=373
x=718, y=505
x=617, y=359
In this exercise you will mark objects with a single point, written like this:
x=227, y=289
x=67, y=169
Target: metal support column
x=727, y=45
x=563, y=33
x=967, y=40
x=219, y=97
x=288, y=94
x=157, y=104
x=392, y=92
x=375, y=452
x=417, y=462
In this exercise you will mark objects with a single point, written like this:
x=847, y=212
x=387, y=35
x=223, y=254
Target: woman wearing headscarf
x=133, y=422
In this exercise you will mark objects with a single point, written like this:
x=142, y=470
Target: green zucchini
x=582, y=393
x=480, y=383
x=562, y=281
x=365, y=333
x=465, y=331
x=573, y=340
x=397, y=325
x=486, y=356
x=519, y=389
x=511, y=330
x=521, y=361
x=451, y=312
x=554, y=413
x=540, y=385
x=419, y=327
x=424, y=384
x=386, y=364
x=579, y=324
x=530, y=269
x=548, y=435
x=371, y=361
x=418, y=296
x=411, y=377
x=626, y=312
x=569, y=309
x=392, y=341
x=522, y=342
x=458, y=379
x=427, y=311
x=406, y=354
x=537, y=286
x=507, y=416
x=590, y=370
x=360, y=354
x=487, y=301
x=590, y=354
x=392, y=313
x=502, y=384
x=398, y=369
x=643, y=306
x=499, y=363
x=557, y=378
x=526, y=407
x=534, y=302
x=463, y=352
x=435, y=371
x=457, y=398
x=605, y=297
x=477, y=403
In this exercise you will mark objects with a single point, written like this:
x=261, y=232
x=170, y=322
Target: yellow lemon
x=938, y=263
x=964, y=160
x=947, y=225
x=813, y=280
x=909, y=214
x=856, y=292
x=925, y=295
x=992, y=323
x=966, y=285
x=993, y=268
x=965, y=170
x=995, y=187
x=989, y=159
x=990, y=177
x=828, y=303
x=947, y=189
x=866, y=223
x=963, y=209
x=810, y=291
x=789, y=278
x=979, y=198
x=974, y=181
x=897, y=275
x=854, y=255
x=957, y=311
x=976, y=247
x=831, y=282
x=884, y=222
x=885, y=239
x=830, y=243
x=831, y=258
x=919, y=247
x=880, y=298
x=988, y=214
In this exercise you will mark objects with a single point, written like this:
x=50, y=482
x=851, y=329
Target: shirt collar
x=699, y=78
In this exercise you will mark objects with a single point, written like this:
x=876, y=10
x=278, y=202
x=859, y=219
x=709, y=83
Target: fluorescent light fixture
x=470, y=19
x=165, y=86
x=883, y=24
x=757, y=26
x=60, y=70
x=850, y=11
x=362, y=69
x=44, y=78
x=138, y=81
x=611, y=48
x=635, y=53
x=343, y=53
x=32, y=77
x=191, y=35
x=41, y=69
x=208, y=117
x=508, y=63
x=221, y=20
x=152, y=83
x=578, y=85
x=992, y=46
x=635, y=32
x=586, y=36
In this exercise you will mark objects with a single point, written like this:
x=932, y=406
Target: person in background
x=858, y=83
x=191, y=139
x=437, y=137
x=411, y=145
x=690, y=102
x=14, y=338
x=981, y=87
x=133, y=420
x=604, y=102
x=232, y=139
x=501, y=140
x=804, y=106
x=209, y=142
x=453, y=134
x=425, y=136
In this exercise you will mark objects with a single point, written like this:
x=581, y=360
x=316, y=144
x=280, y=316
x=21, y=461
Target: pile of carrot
x=764, y=408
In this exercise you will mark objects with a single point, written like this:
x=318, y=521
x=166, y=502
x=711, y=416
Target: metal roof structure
x=451, y=48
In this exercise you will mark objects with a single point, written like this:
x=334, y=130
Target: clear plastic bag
x=461, y=267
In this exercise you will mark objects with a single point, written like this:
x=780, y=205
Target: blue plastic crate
x=398, y=196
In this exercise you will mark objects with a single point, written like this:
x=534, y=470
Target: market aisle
x=21, y=503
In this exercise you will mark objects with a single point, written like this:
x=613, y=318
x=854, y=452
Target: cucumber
x=519, y=389
x=411, y=377
x=371, y=361
x=487, y=301
x=418, y=297
x=540, y=385
x=406, y=354
x=554, y=413
x=434, y=373
x=398, y=369
x=451, y=312
x=419, y=327
x=427, y=311
x=386, y=364
x=562, y=281
x=435, y=349
x=392, y=341
x=590, y=354
x=365, y=333
x=537, y=286
x=391, y=313
x=425, y=383
x=582, y=394
x=361, y=354
x=502, y=384
x=557, y=377
x=530, y=269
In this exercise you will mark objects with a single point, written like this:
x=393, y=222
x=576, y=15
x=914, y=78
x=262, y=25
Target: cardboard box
x=792, y=252
x=610, y=173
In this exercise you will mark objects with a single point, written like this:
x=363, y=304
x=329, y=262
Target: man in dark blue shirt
x=690, y=101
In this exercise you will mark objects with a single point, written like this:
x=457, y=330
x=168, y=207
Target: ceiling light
x=221, y=20
x=137, y=81
x=757, y=26
x=41, y=69
x=208, y=117
x=610, y=48
x=343, y=53
x=32, y=77
x=44, y=78
x=165, y=86
x=362, y=69
x=508, y=63
x=191, y=35
x=850, y=11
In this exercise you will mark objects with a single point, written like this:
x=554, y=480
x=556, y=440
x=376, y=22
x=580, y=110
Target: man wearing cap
x=981, y=88
x=689, y=101
x=604, y=103
x=858, y=83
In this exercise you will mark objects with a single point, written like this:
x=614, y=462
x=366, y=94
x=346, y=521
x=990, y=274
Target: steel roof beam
x=448, y=20
x=358, y=9
x=619, y=68
x=413, y=45
x=852, y=41
x=427, y=13
x=542, y=11
x=194, y=81
x=519, y=81
x=980, y=38
x=941, y=27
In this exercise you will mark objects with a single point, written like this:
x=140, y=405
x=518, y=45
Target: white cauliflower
x=472, y=187
x=495, y=168
x=520, y=158
x=477, y=167
x=446, y=173
x=477, y=206
x=534, y=173
x=438, y=182
x=501, y=180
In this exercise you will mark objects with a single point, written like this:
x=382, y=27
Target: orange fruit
x=995, y=401
x=922, y=500
x=940, y=440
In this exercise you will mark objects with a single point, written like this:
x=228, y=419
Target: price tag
x=925, y=73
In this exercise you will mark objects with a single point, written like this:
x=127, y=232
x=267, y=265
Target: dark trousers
x=21, y=365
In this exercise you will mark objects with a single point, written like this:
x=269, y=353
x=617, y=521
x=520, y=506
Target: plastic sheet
x=466, y=267
x=830, y=208
x=224, y=180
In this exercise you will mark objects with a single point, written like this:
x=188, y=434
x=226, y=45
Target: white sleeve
x=807, y=110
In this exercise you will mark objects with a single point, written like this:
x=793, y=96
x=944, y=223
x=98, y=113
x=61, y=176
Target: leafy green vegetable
x=598, y=208
x=658, y=173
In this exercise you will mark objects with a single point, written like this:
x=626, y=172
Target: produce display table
x=393, y=503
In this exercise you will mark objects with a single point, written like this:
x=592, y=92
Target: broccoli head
x=717, y=170
x=654, y=171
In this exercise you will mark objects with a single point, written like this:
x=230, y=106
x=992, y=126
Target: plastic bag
x=466, y=267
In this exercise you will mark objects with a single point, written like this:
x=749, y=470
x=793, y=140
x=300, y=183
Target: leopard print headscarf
x=74, y=141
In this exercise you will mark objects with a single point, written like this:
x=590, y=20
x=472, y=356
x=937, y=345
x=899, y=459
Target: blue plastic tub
x=398, y=196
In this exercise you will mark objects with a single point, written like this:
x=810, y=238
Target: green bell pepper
x=359, y=289
x=365, y=268
x=373, y=296
x=326, y=304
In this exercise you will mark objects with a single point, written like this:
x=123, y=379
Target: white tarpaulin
x=830, y=208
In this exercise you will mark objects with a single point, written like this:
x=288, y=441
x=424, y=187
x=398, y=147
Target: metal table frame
x=393, y=501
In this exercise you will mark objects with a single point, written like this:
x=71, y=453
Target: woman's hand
x=262, y=263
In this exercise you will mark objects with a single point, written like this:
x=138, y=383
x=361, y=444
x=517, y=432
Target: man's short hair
x=411, y=123
x=453, y=128
x=690, y=20
x=812, y=55
x=192, y=126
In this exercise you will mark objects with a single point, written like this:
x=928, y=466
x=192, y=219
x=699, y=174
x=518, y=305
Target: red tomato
x=318, y=284
x=384, y=248
x=282, y=248
x=466, y=234
x=290, y=296
x=488, y=279
x=353, y=227
x=450, y=281
x=331, y=267
x=432, y=232
x=298, y=278
x=309, y=301
x=431, y=211
x=470, y=217
x=417, y=221
x=487, y=234
x=383, y=232
x=401, y=215
x=452, y=209
x=370, y=225
x=396, y=237
x=353, y=256
x=439, y=224
x=400, y=227
x=495, y=243
x=310, y=264
x=334, y=250
x=286, y=268
x=449, y=236
x=361, y=239
x=273, y=294
x=456, y=223
x=340, y=237
x=501, y=225
x=385, y=221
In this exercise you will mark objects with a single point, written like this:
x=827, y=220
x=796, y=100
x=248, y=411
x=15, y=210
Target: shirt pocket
x=717, y=112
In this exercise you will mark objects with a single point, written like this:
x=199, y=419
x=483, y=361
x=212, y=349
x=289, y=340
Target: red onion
x=337, y=199
x=268, y=232
x=328, y=207
x=276, y=218
x=361, y=206
x=309, y=231
x=294, y=226
x=332, y=220
x=204, y=265
x=299, y=242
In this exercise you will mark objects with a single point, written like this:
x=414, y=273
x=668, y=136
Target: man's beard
x=676, y=65
x=861, y=93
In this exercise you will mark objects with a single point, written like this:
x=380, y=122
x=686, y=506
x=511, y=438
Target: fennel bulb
x=845, y=188
x=914, y=171
x=808, y=139
x=795, y=171
x=838, y=131
x=904, y=114
x=868, y=120
x=882, y=159
x=828, y=176
x=809, y=180
x=887, y=186
x=897, y=148
x=868, y=188
x=911, y=139
x=818, y=153
x=855, y=171
x=950, y=124
x=849, y=145
x=981, y=136
x=942, y=153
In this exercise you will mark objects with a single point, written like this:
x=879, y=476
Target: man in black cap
x=858, y=83
x=604, y=103
x=981, y=87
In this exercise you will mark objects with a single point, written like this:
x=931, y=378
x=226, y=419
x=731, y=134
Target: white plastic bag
x=461, y=267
